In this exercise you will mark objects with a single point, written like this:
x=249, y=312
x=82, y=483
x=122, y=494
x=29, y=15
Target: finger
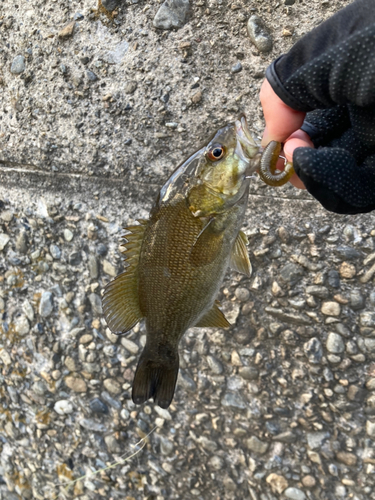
x=281, y=120
x=298, y=139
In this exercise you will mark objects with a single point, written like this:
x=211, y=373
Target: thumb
x=332, y=176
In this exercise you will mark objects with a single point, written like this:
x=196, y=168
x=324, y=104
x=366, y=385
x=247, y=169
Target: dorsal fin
x=120, y=298
x=214, y=318
x=239, y=259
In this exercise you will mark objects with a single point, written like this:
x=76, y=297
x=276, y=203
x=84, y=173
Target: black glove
x=330, y=74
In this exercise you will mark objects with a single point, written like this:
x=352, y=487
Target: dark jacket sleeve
x=332, y=65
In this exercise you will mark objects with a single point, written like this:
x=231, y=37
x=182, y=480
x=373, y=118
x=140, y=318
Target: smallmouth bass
x=177, y=259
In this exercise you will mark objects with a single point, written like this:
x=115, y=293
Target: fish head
x=217, y=175
x=229, y=158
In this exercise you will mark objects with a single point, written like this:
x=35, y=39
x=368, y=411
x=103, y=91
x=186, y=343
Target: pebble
x=68, y=235
x=368, y=275
x=356, y=393
x=125, y=415
x=163, y=413
x=129, y=345
x=370, y=428
x=335, y=343
x=318, y=291
x=333, y=278
x=6, y=215
x=110, y=5
x=233, y=400
x=5, y=357
x=278, y=483
x=21, y=242
x=285, y=437
x=91, y=76
x=370, y=344
x=96, y=304
x=244, y=335
x=97, y=406
x=242, y=294
x=101, y=249
x=130, y=87
x=75, y=258
x=331, y=308
x=186, y=382
x=55, y=251
x=216, y=463
x=76, y=384
x=197, y=97
x=63, y=407
x=171, y=14
x=367, y=319
x=21, y=325
x=313, y=350
x=4, y=239
x=346, y=458
x=18, y=65
x=316, y=439
x=67, y=30
x=111, y=337
x=112, y=444
x=92, y=425
x=348, y=253
x=259, y=34
x=166, y=446
x=70, y=364
x=357, y=301
x=294, y=494
x=46, y=304
x=86, y=339
x=236, y=68
x=39, y=388
x=109, y=268
x=256, y=445
x=347, y=270
x=215, y=365
x=112, y=386
x=248, y=372
x=291, y=273
x=309, y=481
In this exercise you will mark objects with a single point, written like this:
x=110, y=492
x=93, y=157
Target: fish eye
x=216, y=153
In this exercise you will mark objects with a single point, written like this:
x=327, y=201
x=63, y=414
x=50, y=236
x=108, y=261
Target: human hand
x=283, y=125
x=326, y=99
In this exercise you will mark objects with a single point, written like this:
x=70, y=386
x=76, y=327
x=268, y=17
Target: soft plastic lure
x=267, y=170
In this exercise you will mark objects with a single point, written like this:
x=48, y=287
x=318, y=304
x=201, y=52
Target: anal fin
x=239, y=259
x=214, y=318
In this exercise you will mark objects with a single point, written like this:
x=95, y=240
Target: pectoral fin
x=120, y=299
x=239, y=257
x=214, y=318
x=207, y=246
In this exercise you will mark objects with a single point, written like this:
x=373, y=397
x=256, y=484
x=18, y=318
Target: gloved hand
x=330, y=75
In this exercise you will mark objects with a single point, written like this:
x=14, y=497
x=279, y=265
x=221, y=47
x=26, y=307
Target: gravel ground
x=281, y=405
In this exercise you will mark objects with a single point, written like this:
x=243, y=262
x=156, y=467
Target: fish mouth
x=247, y=149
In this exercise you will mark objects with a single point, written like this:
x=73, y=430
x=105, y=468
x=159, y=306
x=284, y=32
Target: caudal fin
x=156, y=377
